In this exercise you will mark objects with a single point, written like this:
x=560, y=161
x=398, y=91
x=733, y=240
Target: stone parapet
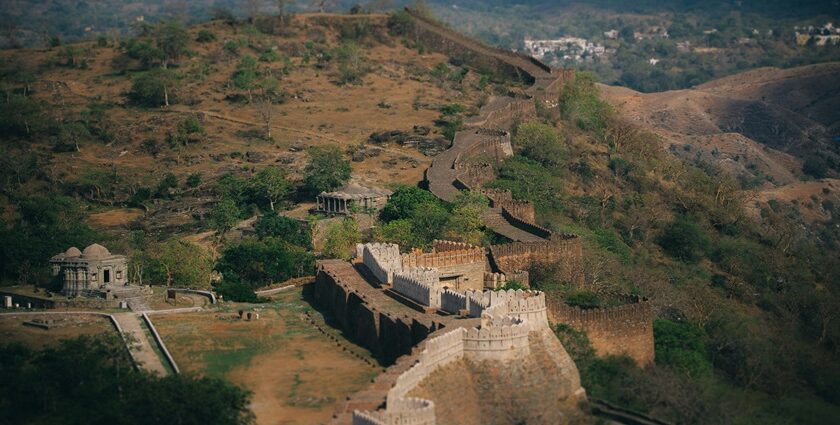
x=622, y=330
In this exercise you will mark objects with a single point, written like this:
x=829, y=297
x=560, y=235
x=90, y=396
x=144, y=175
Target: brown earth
x=297, y=373
x=396, y=94
x=12, y=329
x=756, y=126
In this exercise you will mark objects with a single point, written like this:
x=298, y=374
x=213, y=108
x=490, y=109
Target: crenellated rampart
x=565, y=250
x=382, y=259
x=459, y=269
x=419, y=284
x=626, y=329
x=502, y=336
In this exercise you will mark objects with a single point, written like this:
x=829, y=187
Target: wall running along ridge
x=626, y=329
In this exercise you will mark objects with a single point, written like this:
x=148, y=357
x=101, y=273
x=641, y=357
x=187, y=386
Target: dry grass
x=297, y=374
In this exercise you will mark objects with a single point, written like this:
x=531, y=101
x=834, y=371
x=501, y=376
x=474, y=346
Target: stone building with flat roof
x=352, y=198
x=94, y=270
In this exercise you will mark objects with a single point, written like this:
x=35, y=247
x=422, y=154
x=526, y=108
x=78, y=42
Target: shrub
x=237, y=292
x=684, y=240
x=581, y=104
x=583, y=299
x=680, y=345
x=815, y=167
x=541, y=143
x=205, y=36
x=287, y=229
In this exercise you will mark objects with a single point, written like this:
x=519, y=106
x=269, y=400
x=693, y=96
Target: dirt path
x=140, y=347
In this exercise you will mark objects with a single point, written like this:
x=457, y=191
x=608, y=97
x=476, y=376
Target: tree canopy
x=327, y=170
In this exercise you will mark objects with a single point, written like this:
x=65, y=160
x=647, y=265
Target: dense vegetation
x=746, y=306
x=91, y=380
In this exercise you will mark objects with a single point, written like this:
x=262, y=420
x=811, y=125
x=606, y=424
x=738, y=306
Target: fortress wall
x=466, y=264
x=367, y=315
x=452, y=302
x=494, y=280
x=627, y=329
x=382, y=259
x=458, y=47
x=444, y=246
x=523, y=211
x=504, y=112
x=567, y=250
x=502, y=342
x=527, y=226
x=415, y=287
x=504, y=335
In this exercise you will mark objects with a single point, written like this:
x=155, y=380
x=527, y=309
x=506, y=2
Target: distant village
x=577, y=49
x=820, y=36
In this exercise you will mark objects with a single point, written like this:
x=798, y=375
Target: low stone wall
x=627, y=329
x=566, y=250
x=159, y=341
x=527, y=226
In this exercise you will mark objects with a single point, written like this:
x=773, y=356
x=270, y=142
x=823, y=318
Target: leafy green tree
x=465, y=224
x=341, y=239
x=680, y=345
x=684, y=240
x=20, y=116
x=541, y=143
x=176, y=263
x=581, y=104
x=284, y=228
x=171, y=38
x=154, y=87
x=39, y=383
x=270, y=184
x=351, y=63
x=225, y=215
x=430, y=221
x=245, y=76
x=327, y=170
x=263, y=262
x=405, y=201
x=35, y=229
x=400, y=232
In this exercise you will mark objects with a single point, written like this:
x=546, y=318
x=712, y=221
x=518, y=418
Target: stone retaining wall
x=627, y=329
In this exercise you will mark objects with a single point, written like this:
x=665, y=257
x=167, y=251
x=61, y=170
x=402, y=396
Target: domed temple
x=92, y=270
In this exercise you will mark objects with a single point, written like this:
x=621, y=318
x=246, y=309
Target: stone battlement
x=445, y=246
x=626, y=329
x=500, y=338
x=565, y=249
x=420, y=284
x=382, y=259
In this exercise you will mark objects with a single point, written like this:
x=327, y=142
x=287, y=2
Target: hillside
x=758, y=126
x=397, y=92
x=707, y=217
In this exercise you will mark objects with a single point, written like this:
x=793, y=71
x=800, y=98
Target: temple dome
x=72, y=252
x=95, y=251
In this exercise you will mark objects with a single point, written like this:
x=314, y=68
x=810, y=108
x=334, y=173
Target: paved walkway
x=140, y=346
x=494, y=220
